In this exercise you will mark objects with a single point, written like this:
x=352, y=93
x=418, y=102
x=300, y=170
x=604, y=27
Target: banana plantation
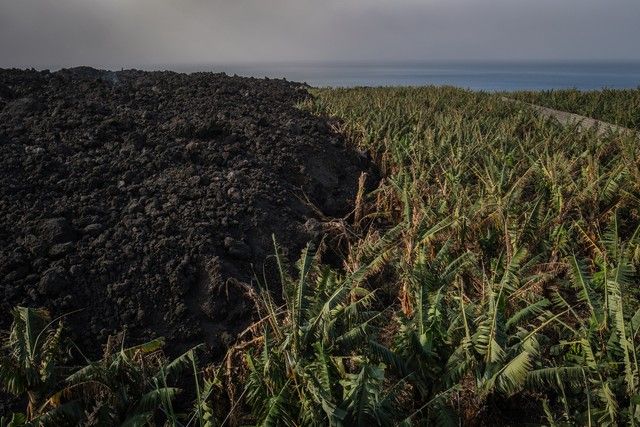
x=491, y=278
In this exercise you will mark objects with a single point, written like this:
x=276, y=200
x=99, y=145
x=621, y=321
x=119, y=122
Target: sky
x=144, y=33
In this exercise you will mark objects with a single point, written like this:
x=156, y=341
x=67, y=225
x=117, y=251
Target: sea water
x=489, y=76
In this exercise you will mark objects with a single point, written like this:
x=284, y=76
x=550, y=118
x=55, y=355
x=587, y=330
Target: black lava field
x=147, y=201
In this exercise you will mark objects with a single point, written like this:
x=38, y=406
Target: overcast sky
x=125, y=33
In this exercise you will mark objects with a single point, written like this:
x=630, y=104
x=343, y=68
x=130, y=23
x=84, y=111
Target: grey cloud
x=122, y=33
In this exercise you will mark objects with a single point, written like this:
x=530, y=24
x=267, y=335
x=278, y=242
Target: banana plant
x=30, y=356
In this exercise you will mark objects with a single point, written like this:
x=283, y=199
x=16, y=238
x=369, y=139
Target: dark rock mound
x=144, y=198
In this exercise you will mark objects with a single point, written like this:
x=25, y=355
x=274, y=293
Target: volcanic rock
x=139, y=198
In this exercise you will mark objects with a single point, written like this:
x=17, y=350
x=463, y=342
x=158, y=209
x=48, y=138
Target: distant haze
x=147, y=33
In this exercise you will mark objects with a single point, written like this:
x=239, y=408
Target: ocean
x=489, y=76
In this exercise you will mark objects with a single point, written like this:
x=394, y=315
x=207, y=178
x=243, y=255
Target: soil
x=142, y=199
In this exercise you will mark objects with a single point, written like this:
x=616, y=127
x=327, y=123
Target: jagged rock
x=237, y=248
x=110, y=181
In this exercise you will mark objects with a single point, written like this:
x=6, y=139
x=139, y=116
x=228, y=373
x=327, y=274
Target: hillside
x=489, y=277
x=147, y=200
